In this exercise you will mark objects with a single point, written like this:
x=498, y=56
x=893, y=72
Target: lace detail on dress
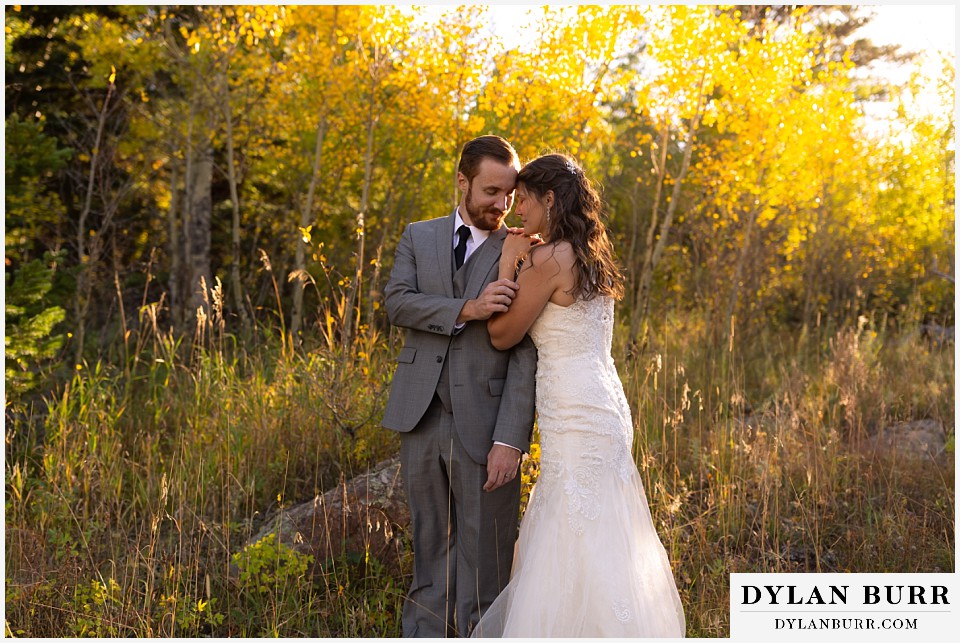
x=622, y=611
x=581, y=406
x=582, y=489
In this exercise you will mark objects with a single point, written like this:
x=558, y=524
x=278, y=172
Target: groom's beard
x=484, y=218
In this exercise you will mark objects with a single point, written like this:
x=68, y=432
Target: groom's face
x=488, y=197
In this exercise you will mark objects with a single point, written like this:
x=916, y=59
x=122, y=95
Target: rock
x=920, y=438
x=364, y=514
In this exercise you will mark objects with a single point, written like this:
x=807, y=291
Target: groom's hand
x=503, y=463
x=495, y=298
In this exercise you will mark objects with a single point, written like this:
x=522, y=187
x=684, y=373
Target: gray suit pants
x=463, y=537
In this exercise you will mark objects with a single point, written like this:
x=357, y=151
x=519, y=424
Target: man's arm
x=408, y=307
x=495, y=298
x=514, y=417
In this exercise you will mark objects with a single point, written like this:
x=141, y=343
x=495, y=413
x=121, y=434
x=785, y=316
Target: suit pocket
x=407, y=353
x=496, y=387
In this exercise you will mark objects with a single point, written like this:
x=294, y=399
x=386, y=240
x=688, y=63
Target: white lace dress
x=588, y=560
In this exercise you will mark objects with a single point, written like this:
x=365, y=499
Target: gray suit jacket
x=491, y=391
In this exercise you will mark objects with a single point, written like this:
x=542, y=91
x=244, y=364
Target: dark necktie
x=461, y=250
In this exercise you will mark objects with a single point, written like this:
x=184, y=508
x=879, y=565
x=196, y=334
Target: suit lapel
x=444, y=244
x=482, y=260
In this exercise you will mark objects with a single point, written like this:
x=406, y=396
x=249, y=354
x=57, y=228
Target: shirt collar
x=476, y=234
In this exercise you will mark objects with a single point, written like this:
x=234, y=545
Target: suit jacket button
x=439, y=359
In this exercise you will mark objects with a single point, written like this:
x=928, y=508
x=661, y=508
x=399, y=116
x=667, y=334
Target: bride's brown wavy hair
x=576, y=218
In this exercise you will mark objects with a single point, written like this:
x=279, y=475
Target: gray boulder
x=364, y=514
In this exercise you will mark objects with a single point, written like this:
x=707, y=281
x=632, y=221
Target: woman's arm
x=547, y=269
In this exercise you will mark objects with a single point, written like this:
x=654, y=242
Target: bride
x=588, y=559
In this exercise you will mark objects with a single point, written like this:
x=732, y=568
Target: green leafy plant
x=29, y=337
x=273, y=585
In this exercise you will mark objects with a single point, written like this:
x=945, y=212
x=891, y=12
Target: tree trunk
x=185, y=278
x=654, y=251
x=642, y=288
x=813, y=266
x=631, y=254
x=174, y=248
x=306, y=217
x=84, y=280
x=197, y=230
x=735, y=285
x=235, y=284
x=348, y=330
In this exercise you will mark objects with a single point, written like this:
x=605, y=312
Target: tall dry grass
x=762, y=458
x=133, y=488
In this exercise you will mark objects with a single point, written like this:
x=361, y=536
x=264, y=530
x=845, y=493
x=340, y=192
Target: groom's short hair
x=488, y=146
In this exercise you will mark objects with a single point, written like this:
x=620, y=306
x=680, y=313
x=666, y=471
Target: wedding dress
x=588, y=559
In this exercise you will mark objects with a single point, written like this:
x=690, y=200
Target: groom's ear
x=462, y=182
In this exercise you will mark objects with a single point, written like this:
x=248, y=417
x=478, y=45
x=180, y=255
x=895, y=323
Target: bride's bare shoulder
x=556, y=263
x=560, y=251
x=565, y=252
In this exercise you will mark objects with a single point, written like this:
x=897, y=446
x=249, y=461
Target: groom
x=464, y=410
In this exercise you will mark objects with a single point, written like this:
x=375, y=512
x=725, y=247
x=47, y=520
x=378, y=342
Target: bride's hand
x=517, y=245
